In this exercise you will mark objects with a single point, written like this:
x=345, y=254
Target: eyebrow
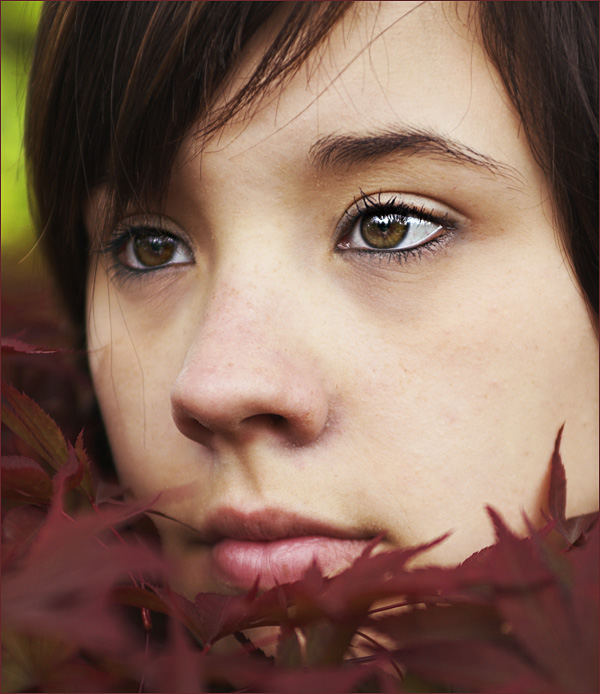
x=339, y=151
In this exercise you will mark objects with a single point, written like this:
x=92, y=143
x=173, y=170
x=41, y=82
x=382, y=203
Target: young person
x=335, y=265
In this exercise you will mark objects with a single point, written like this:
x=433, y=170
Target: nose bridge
x=252, y=313
x=247, y=367
x=244, y=305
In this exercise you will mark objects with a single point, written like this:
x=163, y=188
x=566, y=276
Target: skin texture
x=274, y=369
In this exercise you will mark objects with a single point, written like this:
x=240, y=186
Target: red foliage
x=87, y=604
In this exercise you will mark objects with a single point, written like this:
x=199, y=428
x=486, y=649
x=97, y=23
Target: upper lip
x=267, y=525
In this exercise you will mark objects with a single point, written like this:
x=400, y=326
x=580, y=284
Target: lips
x=275, y=547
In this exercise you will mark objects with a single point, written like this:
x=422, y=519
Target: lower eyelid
x=400, y=255
x=124, y=275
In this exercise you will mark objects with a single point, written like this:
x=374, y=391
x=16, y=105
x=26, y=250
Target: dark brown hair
x=115, y=86
x=547, y=56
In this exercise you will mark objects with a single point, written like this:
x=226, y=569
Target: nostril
x=273, y=421
x=276, y=423
x=193, y=429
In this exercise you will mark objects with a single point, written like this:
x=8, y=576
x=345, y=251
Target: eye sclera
x=433, y=219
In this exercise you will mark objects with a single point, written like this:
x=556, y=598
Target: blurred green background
x=31, y=309
x=19, y=21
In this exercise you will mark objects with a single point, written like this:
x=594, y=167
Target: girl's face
x=351, y=317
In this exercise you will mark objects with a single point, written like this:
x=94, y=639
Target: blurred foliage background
x=30, y=309
x=19, y=21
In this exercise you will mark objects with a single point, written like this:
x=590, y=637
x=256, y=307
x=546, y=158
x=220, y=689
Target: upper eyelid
x=416, y=204
x=103, y=241
x=158, y=222
x=406, y=199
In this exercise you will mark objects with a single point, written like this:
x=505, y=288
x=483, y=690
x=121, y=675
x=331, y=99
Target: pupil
x=153, y=250
x=383, y=231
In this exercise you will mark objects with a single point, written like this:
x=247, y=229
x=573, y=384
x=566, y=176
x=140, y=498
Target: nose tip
x=239, y=401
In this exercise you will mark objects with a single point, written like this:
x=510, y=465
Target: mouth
x=275, y=547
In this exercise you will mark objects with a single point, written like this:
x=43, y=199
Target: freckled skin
x=274, y=371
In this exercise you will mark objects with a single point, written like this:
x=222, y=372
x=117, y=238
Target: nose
x=246, y=374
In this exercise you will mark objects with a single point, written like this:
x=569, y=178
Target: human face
x=292, y=395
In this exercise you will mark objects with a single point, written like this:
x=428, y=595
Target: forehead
x=384, y=66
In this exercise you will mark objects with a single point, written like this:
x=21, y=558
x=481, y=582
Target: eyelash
x=379, y=204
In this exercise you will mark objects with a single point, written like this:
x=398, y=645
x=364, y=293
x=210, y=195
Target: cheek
x=133, y=369
x=467, y=383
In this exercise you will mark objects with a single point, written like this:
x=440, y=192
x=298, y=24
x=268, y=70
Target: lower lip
x=240, y=563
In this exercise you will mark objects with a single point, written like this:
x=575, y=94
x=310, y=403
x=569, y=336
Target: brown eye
x=153, y=249
x=383, y=230
x=145, y=248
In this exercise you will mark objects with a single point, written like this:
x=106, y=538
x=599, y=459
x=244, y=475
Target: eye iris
x=153, y=250
x=383, y=231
